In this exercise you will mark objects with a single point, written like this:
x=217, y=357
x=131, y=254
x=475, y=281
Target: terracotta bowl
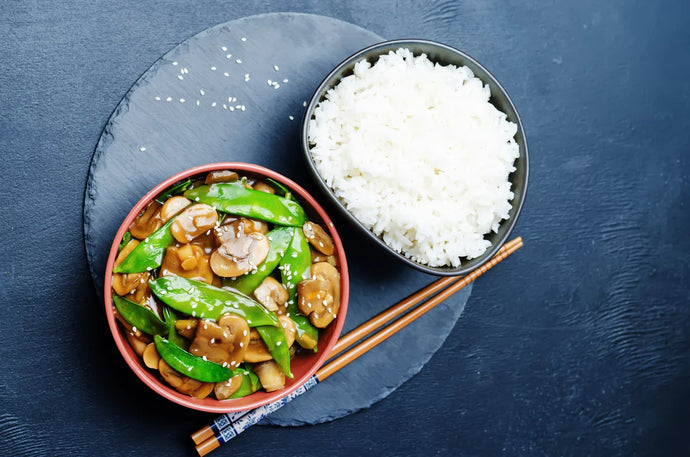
x=303, y=366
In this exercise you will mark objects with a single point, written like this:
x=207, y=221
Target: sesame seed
x=225, y=106
x=278, y=343
x=213, y=68
x=169, y=99
x=201, y=91
x=134, y=329
x=226, y=74
x=148, y=268
x=246, y=77
x=269, y=82
x=243, y=38
x=246, y=373
x=142, y=149
x=157, y=99
x=285, y=80
x=241, y=344
x=243, y=108
x=205, y=358
x=180, y=77
x=223, y=48
x=213, y=340
x=184, y=71
x=197, y=103
x=292, y=118
x=182, y=100
x=232, y=363
x=276, y=86
x=238, y=61
x=275, y=67
x=304, y=103
x=213, y=105
x=190, y=368
x=228, y=56
x=244, y=333
x=174, y=63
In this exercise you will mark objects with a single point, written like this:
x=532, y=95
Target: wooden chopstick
x=242, y=422
x=351, y=337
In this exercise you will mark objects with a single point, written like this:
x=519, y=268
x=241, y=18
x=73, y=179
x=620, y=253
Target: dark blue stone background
x=578, y=345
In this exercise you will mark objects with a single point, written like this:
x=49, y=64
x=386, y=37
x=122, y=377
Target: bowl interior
x=302, y=366
x=442, y=54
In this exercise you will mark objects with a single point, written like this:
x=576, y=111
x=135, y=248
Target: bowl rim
x=318, y=94
x=258, y=398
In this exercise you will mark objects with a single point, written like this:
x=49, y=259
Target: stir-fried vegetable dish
x=221, y=281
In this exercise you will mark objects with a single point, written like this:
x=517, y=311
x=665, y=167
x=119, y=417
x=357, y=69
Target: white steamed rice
x=416, y=152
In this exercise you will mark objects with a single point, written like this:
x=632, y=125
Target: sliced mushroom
x=271, y=376
x=206, y=241
x=318, y=238
x=193, y=221
x=187, y=260
x=221, y=176
x=182, y=383
x=241, y=255
x=125, y=283
x=224, y=342
x=224, y=389
x=257, y=351
x=319, y=296
x=137, y=343
x=147, y=222
x=289, y=329
x=317, y=257
x=272, y=294
x=172, y=206
x=263, y=187
x=186, y=327
x=231, y=227
x=150, y=356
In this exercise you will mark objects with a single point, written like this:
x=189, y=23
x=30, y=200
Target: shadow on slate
x=196, y=106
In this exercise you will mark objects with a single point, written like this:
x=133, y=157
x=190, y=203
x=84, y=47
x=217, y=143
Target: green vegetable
x=282, y=190
x=148, y=254
x=126, y=238
x=250, y=382
x=174, y=190
x=274, y=338
x=202, y=300
x=190, y=365
x=139, y=316
x=279, y=240
x=295, y=262
x=236, y=199
x=174, y=337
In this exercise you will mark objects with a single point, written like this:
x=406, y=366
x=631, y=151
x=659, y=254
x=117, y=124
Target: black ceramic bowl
x=442, y=54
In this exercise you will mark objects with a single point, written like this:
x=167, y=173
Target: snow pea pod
x=274, y=338
x=139, y=316
x=202, y=300
x=148, y=254
x=279, y=240
x=235, y=198
x=295, y=262
x=190, y=365
x=250, y=382
x=173, y=336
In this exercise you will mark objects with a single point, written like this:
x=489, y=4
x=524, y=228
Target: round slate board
x=210, y=100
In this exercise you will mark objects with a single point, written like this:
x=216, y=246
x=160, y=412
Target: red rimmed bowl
x=303, y=366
